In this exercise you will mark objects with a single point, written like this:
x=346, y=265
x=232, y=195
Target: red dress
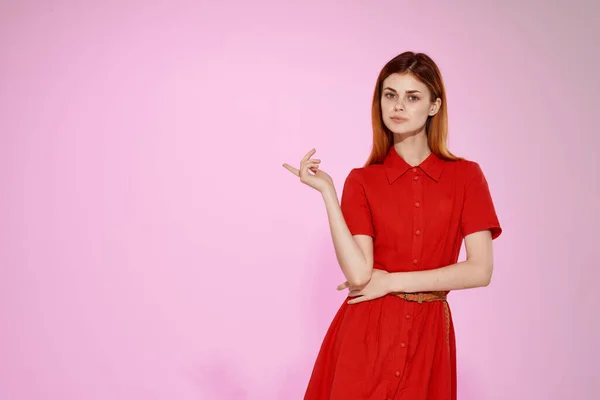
x=391, y=348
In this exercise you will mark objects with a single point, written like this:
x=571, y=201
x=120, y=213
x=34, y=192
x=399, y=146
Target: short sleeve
x=478, y=212
x=355, y=206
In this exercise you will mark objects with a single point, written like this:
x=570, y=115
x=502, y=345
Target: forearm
x=349, y=255
x=462, y=275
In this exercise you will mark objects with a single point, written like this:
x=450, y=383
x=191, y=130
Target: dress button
x=407, y=316
x=402, y=344
x=414, y=170
x=415, y=177
x=415, y=261
x=418, y=232
x=417, y=204
x=397, y=373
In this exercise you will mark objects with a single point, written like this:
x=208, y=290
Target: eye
x=389, y=95
x=413, y=98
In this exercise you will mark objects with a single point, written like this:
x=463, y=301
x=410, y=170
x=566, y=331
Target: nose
x=398, y=106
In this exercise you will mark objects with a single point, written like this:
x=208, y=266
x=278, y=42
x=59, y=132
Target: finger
x=291, y=169
x=342, y=286
x=357, y=300
x=355, y=293
x=303, y=172
x=310, y=163
x=308, y=155
x=305, y=166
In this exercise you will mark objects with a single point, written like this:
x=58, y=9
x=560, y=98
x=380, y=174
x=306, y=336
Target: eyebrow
x=407, y=91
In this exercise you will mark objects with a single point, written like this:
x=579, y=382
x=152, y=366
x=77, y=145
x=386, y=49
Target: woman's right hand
x=318, y=180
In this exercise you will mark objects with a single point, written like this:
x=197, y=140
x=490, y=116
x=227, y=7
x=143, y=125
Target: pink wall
x=152, y=246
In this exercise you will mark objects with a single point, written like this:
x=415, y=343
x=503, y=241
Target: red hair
x=424, y=69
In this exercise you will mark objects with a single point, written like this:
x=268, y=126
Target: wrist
x=329, y=192
x=394, y=282
x=388, y=283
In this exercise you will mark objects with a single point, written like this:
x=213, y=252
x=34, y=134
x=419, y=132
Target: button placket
x=401, y=346
x=400, y=350
x=417, y=193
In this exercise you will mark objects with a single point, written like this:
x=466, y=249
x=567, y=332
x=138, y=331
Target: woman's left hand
x=375, y=288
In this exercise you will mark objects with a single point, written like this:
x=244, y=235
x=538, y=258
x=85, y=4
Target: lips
x=398, y=119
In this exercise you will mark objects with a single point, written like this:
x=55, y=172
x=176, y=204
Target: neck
x=413, y=148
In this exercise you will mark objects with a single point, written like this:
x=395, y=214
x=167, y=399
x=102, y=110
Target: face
x=406, y=104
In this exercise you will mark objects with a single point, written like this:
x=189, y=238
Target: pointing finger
x=291, y=169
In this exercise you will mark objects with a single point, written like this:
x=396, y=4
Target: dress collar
x=395, y=166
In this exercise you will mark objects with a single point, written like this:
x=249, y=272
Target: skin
x=405, y=96
x=402, y=96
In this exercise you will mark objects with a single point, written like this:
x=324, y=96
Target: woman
x=397, y=236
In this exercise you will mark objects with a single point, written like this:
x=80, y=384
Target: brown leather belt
x=421, y=297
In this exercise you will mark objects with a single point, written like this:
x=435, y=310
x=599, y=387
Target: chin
x=399, y=130
x=405, y=128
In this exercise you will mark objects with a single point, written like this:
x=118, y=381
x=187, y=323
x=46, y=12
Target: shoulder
x=366, y=176
x=466, y=164
x=467, y=168
x=469, y=174
x=365, y=173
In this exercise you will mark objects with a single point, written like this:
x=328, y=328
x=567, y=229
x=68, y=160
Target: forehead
x=402, y=82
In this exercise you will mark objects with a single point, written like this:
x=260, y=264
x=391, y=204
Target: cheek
x=386, y=105
x=419, y=112
x=386, y=109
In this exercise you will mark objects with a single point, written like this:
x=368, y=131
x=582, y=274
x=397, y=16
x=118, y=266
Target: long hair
x=424, y=69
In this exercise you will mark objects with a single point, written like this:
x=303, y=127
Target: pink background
x=153, y=247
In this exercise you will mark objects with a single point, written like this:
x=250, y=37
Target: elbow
x=486, y=281
x=360, y=279
x=486, y=276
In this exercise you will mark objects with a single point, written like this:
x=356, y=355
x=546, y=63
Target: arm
x=480, y=224
x=354, y=253
x=351, y=229
x=476, y=271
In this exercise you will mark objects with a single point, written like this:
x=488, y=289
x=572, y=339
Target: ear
x=435, y=107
